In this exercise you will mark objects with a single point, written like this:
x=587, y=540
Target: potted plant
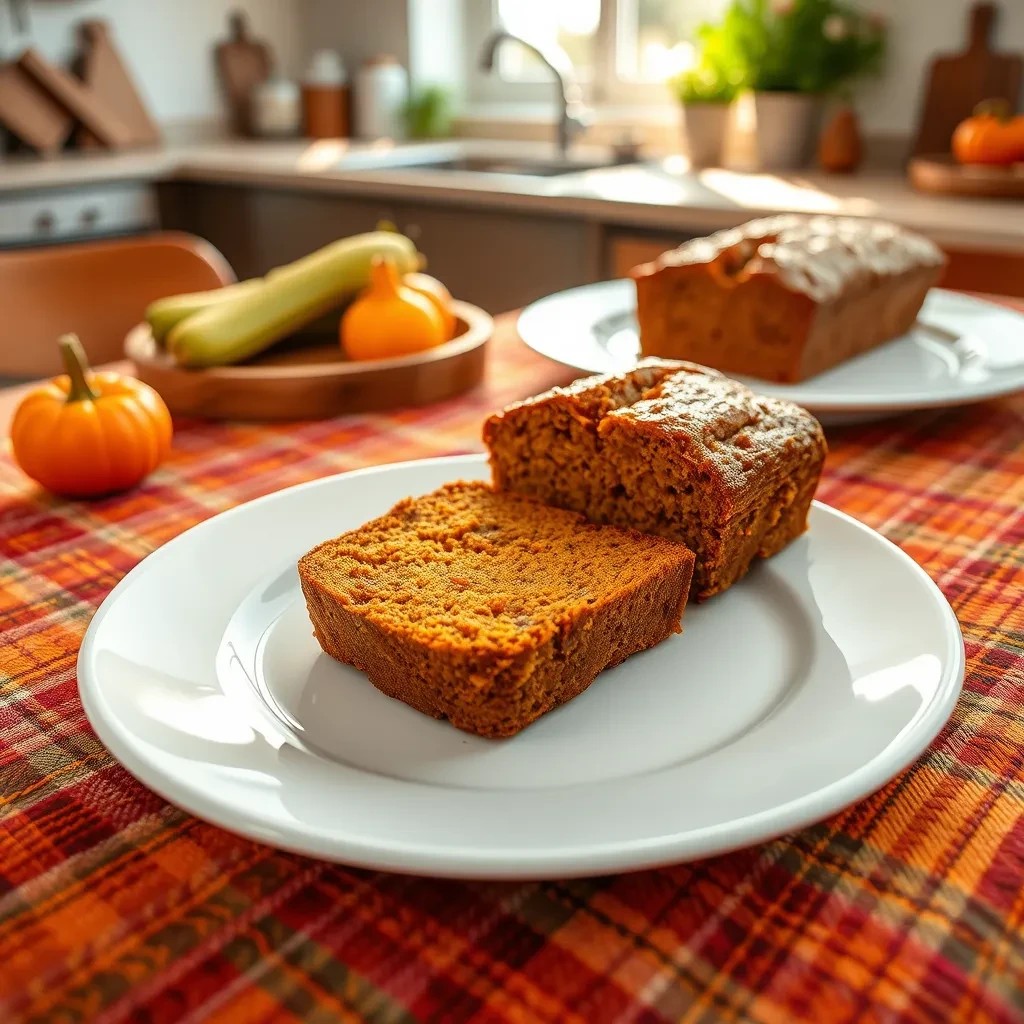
x=785, y=56
x=704, y=93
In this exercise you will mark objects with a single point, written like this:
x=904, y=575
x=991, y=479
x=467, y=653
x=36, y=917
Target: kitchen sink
x=497, y=165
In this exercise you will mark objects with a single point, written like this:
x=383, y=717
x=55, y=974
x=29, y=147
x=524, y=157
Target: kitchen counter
x=662, y=195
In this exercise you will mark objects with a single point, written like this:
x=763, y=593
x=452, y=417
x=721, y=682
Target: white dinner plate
x=803, y=688
x=961, y=350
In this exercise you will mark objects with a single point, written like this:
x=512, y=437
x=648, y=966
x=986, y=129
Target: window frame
x=606, y=88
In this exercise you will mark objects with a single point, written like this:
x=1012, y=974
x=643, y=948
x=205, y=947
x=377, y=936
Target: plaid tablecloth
x=115, y=906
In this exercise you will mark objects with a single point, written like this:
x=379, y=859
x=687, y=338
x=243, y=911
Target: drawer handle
x=45, y=222
x=90, y=216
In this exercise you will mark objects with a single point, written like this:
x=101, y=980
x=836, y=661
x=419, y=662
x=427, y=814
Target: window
x=621, y=50
x=566, y=28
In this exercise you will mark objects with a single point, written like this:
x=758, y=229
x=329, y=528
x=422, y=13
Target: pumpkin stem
x=75, y=365
x=996, y=108
x=384, y=279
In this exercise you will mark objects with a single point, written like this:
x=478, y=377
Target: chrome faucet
x=571, y=112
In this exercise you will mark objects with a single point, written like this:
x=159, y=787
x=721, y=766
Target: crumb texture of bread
x=488, y=608
x=670, y=449
x=785, y=298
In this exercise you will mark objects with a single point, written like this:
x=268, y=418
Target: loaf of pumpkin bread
x=488, y=608
x=784, y=298
x=671, y=449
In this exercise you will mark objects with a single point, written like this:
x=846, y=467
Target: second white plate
x=201, y=675
x=961, y=350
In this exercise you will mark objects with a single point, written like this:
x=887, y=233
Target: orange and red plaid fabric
x=908, y=907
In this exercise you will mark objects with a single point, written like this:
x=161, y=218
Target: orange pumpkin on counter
x=991, y=135
x=90, y=433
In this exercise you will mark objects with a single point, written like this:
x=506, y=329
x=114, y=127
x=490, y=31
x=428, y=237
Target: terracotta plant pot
x=772, y=131
x=704, y=126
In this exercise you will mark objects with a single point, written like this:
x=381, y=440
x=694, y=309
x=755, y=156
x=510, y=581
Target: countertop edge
x=575, y=196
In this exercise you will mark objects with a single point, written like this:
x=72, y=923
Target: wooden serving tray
x=944, y=176
x=308, y=377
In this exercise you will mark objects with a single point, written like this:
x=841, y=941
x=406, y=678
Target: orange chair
x=98, y=290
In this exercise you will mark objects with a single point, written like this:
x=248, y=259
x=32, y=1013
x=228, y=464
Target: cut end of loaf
x=673, y=450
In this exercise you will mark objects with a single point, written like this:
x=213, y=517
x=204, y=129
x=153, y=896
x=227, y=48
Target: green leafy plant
x=808, y=46
x=428, y=113
x=714, y=78
x=702, y=84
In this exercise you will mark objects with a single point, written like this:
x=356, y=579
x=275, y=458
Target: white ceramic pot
x=381, y=92
x=772, y=131
x=704, y=126
x=276, y=109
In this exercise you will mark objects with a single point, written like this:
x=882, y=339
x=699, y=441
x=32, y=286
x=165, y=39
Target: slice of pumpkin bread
x=489, y=608
x=672, y=449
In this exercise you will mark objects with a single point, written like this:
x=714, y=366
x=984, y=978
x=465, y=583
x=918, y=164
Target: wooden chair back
x=98, y=290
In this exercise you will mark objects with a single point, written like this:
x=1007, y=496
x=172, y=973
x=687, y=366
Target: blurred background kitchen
x=527, y=146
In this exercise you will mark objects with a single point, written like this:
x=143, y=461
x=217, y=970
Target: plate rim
x=561, y=862
x=828, y=402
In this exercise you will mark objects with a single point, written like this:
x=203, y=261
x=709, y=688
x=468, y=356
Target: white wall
x=168, y=44
x=920, y=29
x=358, y=29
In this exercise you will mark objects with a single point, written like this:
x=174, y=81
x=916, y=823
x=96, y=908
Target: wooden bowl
x=942, y=175
x=308, y=377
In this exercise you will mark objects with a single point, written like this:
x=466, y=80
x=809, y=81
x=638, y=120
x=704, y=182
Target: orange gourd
x=89, y=433
x=438, y=294
x=389, y=319
x=840, y=148
x=990, y=136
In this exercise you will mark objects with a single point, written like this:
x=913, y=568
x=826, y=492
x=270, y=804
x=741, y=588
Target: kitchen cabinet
x=496, y=259
x=625, y=250
x=984, y=270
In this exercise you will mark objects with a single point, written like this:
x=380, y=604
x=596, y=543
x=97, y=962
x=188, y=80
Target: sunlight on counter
x=768, y=191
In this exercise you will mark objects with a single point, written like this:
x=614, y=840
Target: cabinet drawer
x=33, y=218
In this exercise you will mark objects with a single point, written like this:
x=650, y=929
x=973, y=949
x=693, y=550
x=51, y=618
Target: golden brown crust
x=694, y=457
x=784, y=298
x=489, y=609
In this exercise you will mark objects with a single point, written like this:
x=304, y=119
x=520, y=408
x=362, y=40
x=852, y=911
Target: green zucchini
x=287, y=299
x=164, y=314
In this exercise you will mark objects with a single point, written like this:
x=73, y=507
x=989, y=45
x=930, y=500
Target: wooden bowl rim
x=946, y=163
x=139, y=346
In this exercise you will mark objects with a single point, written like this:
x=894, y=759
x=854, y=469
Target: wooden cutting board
x=30, y=112
x=104, y=72
x=242, y=63
x=958, y=82
x=77, y=99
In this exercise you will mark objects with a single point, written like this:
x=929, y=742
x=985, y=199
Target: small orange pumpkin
x=438, y=295
x=89, y=433
x=990, y=136
x=389, y=319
